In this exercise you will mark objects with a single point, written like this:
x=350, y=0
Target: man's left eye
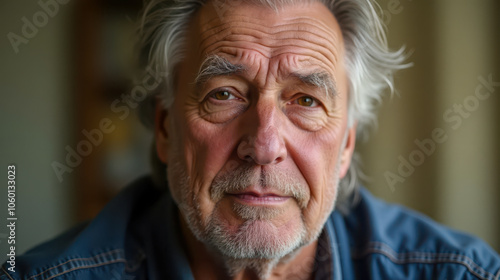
x=306, y=101
x=223, y=95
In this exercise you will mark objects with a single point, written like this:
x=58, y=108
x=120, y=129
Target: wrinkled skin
x=264, y=118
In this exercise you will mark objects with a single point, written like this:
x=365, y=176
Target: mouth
x=255, y=198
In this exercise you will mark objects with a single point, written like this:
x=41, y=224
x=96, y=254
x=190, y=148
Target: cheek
x=209, y=148
x=316, y=155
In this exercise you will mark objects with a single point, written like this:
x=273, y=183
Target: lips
x=252, y=197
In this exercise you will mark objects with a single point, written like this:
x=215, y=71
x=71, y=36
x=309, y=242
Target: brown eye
x=306, y=101
x=223, y=95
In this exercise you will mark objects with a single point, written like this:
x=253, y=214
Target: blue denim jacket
x=136, y=237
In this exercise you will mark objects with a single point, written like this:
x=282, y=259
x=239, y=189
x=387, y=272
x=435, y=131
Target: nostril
x=279, y=159
x=245, y=151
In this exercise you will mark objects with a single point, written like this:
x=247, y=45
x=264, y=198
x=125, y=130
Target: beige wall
x=452, y=44
x=35, y=121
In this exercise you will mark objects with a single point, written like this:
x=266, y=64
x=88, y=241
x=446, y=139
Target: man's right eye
x=222, y=95
x=222, y=104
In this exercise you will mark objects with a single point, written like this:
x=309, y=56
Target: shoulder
x=389, y=239
x=92, y=250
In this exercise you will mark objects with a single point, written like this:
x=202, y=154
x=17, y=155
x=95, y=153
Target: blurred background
x=75, y=141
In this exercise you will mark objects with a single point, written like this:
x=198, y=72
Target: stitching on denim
x=7, y=273
x=435, y=256
x=497, y=277
x=86, y=266
x=426, y=257
x=81, y=259
x=469, y=263
x=438, y=257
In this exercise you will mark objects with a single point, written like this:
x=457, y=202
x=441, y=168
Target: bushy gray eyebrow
x=320, y=80
x=214, y=66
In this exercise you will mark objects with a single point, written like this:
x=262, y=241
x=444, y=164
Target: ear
x=347, y=151
x=161, y=131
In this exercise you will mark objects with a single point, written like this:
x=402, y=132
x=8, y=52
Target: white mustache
x=244, y=176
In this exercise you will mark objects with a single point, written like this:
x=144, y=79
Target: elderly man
x=255, y=126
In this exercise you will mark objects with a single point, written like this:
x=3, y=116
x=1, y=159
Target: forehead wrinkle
x=270, y=47
x=242, y=52
x=292, y=29
x=299, y=22
x=246, y=38
x=237, y=34
x=302, y=39
x=236, y=49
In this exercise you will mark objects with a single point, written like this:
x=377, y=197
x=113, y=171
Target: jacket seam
x=7, y=273
x=84, y=267
x=427, y=257
x=96, y=264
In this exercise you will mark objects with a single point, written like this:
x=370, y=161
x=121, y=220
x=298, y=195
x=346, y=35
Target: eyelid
x=230, y=90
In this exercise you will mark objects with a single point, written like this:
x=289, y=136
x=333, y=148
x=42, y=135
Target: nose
x=264, y=143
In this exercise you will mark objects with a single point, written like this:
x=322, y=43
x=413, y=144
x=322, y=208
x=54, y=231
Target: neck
x=209, y=264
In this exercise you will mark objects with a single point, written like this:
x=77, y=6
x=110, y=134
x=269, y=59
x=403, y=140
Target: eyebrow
x=320, y=80
x=215, y=65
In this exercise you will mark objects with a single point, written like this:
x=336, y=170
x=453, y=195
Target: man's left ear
x=347, y=151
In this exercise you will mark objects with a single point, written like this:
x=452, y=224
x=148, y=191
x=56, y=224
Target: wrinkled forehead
x=234, y=28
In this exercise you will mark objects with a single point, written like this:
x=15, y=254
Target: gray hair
x=369, y=63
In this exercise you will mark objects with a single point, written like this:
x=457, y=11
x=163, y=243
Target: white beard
x=257, y=244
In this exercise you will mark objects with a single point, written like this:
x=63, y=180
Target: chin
x=255, y=238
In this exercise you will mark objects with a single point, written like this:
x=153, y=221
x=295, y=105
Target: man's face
x=256, y=140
